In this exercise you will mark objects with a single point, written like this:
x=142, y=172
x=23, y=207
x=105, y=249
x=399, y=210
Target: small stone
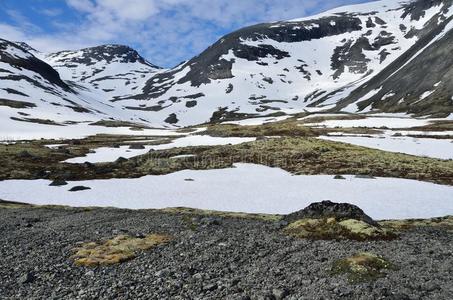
x=339, y=177
x=306, y=282
x=281, y=224
x=210, y=287
x=210, y=221
x=162, y=273
x=279, y=293
x=27, y=278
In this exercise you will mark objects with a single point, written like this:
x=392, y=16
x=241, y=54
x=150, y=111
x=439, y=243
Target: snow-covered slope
x=108, y=71
x=30, y=88
x=32, y=94
x=388, y=56
x=285, y=66
x=419, y=81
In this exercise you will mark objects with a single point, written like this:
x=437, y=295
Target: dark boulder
x=24, y=154
x=58, y=182
x=88, y=165
x=136, y=147
x=328, y=209
x=121, y=160
x=79, y=188
x=27, y=278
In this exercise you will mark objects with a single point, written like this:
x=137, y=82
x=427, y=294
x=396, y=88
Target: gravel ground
x=209, y=258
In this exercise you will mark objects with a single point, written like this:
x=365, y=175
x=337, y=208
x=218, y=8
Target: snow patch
x=235, y=189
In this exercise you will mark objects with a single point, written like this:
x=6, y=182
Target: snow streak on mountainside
x=383, y=56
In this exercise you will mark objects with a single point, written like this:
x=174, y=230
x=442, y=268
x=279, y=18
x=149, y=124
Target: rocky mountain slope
x=29, y=84
x=315, y=61
x=33, y=92
x=109, y=71
x=389, y=56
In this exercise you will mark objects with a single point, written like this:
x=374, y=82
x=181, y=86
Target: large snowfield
x=245, y=188
x=428, y=147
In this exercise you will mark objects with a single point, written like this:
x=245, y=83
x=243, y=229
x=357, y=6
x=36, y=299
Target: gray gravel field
x=208, y=258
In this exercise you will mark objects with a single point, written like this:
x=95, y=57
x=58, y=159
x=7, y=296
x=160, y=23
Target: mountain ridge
x=352, y=59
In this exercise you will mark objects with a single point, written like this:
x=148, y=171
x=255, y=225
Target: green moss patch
x=334, y=229
x=362, y=267
x=284, y=128
x=442, y=222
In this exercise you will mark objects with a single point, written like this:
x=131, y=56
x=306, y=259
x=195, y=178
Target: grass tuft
x=117, y=250
x=362, y=267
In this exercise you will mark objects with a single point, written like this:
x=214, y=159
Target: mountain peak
x=26, y=47
x=104, y=53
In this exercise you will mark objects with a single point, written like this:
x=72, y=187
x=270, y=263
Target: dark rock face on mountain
x=418, y=82
x=210, y=65
x=342, y=56
x=17, y=57
x=107, y=53
x=26, y=47
x=328, y=209
x=112, y=71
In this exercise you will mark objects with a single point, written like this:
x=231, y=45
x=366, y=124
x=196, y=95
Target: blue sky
x=165, y=32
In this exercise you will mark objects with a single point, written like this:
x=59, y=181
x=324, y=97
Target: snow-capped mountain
x=388, y=55
x=32, y=92
x=28, y=82
x=109, y=71
x=315, y=61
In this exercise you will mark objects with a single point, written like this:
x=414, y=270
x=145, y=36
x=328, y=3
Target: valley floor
x=208, y=257
x=251, y=166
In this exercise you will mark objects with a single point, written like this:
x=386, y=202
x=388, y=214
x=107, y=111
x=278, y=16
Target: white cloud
x=81, y=5
x=165, y=31
x=11, y=33
x=51, y=12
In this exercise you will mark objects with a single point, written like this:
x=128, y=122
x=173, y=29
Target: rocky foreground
x=56, y=253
